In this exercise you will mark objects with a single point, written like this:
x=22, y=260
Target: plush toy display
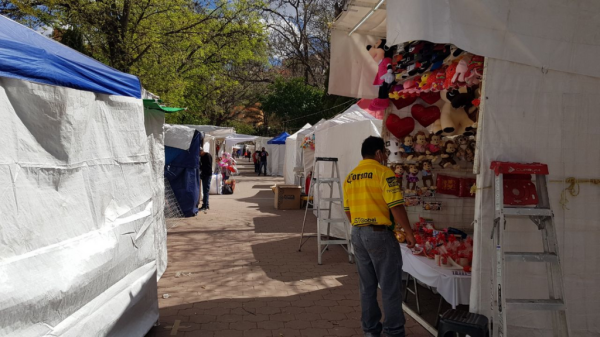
x=420, y=147
x=406, y=148
x=412, y=178
x=427, y=175
x=434, y=148
x=399, y=127
x=399, y=172
x=448, y=153
x=453, y=121
x=384, y=79
x=425, y=116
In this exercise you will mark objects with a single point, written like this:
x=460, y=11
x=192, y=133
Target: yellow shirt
x=370, y=190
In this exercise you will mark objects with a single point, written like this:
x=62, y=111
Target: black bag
x=227, y=189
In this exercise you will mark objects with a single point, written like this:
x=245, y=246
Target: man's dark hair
x=370, y=145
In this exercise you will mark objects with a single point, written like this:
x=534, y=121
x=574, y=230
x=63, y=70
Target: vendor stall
x=476, y=81
x=276, y=149
x=293, y=155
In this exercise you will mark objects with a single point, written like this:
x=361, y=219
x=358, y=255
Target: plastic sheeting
x=279, y=139
x=333, y=140
x=293, y=154
x=27, y=55
x=182, y=173
x=77, y=238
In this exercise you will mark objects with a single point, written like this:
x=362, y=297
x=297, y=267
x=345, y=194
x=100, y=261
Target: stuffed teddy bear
x=407, y=149
x=464, y=99
x=384, y=78
x=453, y=121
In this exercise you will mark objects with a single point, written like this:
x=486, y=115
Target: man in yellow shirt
x=371, y=192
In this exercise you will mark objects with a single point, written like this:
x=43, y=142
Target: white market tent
x=82, y=237
x=231, y=140
x=540, y=85
x=332, y=140
x=293, y=154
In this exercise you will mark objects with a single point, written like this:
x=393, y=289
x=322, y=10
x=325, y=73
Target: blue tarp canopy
x=27, y=55
x=279, y=139
x=182, y=171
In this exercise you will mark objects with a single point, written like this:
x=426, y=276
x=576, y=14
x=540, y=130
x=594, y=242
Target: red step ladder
x=513, y=187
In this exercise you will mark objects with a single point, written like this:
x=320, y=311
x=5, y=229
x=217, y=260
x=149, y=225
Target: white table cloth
x=455, y=289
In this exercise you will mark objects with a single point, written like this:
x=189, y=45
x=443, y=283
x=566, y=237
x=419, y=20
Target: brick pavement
x=236, y=271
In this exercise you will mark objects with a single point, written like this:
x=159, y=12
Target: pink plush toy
x=461, y=70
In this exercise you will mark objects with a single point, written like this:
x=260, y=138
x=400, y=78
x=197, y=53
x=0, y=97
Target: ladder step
x=327, y=180
x=525, y=211
x=541, y=304
x=334, y=242
x=334, y=220
x=331, y=199
x=531, y=257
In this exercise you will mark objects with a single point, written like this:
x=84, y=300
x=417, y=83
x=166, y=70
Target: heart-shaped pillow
x=425, y=116
x=430, y=97
x=403, y=102
x=399, y=127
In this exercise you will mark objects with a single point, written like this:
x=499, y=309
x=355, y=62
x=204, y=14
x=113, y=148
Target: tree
x=293, y=101
x=300, y=36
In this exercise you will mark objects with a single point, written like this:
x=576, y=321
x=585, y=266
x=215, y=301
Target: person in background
x=256, y=158
x=371, y=193
x=263, y=161
x=248, y=154
x=206, y=164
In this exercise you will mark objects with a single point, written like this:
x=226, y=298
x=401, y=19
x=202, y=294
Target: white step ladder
x=518, y=179
x=316, y=181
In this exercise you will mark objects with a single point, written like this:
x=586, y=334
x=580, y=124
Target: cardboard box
x=287, y=196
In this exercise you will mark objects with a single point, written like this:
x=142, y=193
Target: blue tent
x=181, y=170
x=279, y=139
x=28, y=55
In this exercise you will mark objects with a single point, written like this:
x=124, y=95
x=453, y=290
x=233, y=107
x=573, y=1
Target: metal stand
x=314, y=194
x=543, y=217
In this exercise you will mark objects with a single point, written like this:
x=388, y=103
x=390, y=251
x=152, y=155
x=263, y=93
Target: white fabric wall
x=154, y=121
x=293, y=154
x=178, y=136
x=77, y=238
x=550, y=118
x=333, y=140
x=553, y=34
x=276, y=159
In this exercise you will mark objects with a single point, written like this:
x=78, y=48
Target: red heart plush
x=399, y=127
x=430, y=97
x=425, y=116
x=403, y=102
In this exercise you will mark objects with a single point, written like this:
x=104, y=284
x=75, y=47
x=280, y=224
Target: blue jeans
x=205, y=189
x=379, y=261
x=260, y=167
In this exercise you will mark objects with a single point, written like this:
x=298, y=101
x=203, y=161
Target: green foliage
x=243, y=128
x=293, y=102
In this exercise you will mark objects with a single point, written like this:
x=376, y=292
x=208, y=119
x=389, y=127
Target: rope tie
x=573, y=189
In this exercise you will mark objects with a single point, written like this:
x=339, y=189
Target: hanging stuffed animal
x=453, y=121
x=384, y=79
x=412, y=177
x=399, y=172
x=407, y=148
x=475, y=72
x=448, y=153
x=420, y=141
x=433, y=148
x=427, y=175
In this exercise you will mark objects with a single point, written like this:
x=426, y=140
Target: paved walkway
x=236, y=271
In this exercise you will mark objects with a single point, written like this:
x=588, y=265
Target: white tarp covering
x=178, y=136
x=332, y=140
x=531, y=114
x=276, y=159
x=231, y=140
x=293, y=154
x=553, y=34
x=77, y=239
